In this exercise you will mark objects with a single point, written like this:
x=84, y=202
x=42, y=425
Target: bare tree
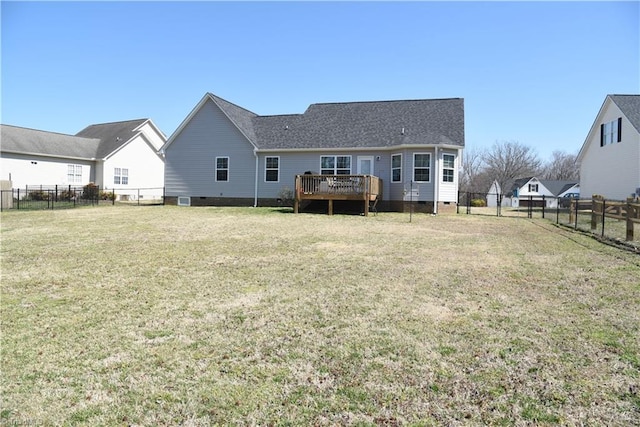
x=562, y=167
x=472, y=166
x=510, y=160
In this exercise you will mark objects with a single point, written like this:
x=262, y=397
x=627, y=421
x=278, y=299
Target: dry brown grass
x=205, y=316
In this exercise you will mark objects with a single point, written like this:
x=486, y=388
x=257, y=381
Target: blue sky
x=533, y=72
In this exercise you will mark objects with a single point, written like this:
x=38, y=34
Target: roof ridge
x=118, y=121
x=385, y=101
x=231, y=103
x=46, y=131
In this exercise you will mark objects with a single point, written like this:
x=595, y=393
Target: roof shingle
x=373, y=124
x=94, y=142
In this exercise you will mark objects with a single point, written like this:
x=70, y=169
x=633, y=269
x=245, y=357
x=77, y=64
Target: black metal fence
x=609, y=219
x=41, y=197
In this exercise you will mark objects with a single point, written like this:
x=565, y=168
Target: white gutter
x=255, y=192
x=436, y=187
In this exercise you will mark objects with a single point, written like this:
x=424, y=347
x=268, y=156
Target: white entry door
x=365, y=165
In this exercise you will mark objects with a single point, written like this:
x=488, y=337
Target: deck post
x=330, y=207
x=367, y=193
x=296, y=200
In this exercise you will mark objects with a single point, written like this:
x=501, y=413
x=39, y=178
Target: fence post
x=594, y=211
x=544, y=205
x=603, y=214
x=139, y=197
x=631, y=214
x=113, y=197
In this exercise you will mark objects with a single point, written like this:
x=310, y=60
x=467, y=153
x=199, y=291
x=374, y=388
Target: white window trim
x=268, y=169
x=184, y=201
x=414, y=167
x=74, y=174
x=400, y=167
x=452, y=168
x=335, y=164
x=120, y=173
x=228, y=169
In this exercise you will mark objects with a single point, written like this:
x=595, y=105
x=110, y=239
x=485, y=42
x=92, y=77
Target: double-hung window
x=74, y=174
x=533, y=188
x=611, y=132
x=335, y=165
x=448, y=167
x=272, y=169
x=121, y=176
x=222, y=169
x=396, y=168
x=421, y=167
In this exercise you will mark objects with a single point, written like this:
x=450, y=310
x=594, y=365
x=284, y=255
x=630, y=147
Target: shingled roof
x=94, y=142
x=111, y=135
x=37, y=142
x=375, y=124
x=630, y=106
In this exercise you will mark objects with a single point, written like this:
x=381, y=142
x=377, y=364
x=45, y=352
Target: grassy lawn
x=228, y=316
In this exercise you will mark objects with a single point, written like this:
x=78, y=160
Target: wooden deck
x=367, y=188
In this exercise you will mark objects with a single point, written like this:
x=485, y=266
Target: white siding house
x=531, y=190
x=122, y=155
x=610, y=156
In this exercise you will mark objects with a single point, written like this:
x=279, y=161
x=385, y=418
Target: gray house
x=223, y=154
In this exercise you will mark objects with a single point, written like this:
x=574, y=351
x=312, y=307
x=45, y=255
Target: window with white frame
x=421, y=167
x=335, y=165
x=74, y=174
x=448, y=167
x=272, y=169
x=121, y=176
x=611, y=132
x=222, y=169
x=533, y=188
x=396, y=168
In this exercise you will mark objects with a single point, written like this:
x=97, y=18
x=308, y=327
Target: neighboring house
x=223, y=154
x=610, y=156
x=537, y=192
x=123, y=156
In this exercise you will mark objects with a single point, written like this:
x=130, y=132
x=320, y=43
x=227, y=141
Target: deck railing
x=367, y=188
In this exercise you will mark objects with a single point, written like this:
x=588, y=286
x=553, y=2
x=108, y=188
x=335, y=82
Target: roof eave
x=55, y=156
x=359, y=149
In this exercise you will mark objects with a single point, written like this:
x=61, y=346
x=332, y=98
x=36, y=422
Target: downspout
x=255, y=188
x=436, y=187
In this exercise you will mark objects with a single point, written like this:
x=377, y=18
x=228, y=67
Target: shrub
x=39, y=195
x=285, y=196
x=478, y=203
x=67, y=195
x=107, y=195
x=90, y=191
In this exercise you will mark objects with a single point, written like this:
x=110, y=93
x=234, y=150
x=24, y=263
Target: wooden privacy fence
x=628, y=211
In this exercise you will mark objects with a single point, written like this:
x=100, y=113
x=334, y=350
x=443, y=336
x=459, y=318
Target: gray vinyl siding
x=190, y=159
x=398, y=189
x=297, y=163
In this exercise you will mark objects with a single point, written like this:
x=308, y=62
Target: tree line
x=509, y=160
